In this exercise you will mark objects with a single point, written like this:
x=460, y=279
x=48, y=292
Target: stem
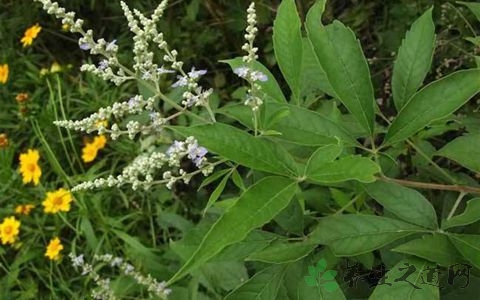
x=442, y=171
x=432, y=186
x=348, y=204
x=455, y=206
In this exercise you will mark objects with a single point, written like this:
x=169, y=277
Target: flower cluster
x=141, y=172
x=29, y=167
x=9, y=230
x=247, y=72
x=103, y=290
x=90, y=150
x=30, y=34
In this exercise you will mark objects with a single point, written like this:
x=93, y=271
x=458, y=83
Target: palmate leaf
x=414, y=59
x=435, y=101
x=341, y=57
x=258, y=205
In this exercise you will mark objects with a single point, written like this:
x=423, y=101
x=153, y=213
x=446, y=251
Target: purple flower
x=182, y=81
x=103, y=64
x=196, y=154
x=194, y=74
x=257, y=75
x=175, y=147
x=111, y=46
x=85, y=46
x=241, y=71
x=162, y=70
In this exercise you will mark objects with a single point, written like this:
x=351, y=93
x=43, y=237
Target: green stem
x=455, y=206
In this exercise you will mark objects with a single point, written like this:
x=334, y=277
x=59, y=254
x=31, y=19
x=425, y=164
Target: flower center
x=58, y=201
x=32, y=167
x=8, y=230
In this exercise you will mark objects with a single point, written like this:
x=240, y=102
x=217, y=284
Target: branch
x=432, y=186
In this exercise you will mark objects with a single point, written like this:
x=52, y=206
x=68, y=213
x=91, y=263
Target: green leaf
x=435, y=101
x=283, y=252
x=264, y=285
x=405, y=203
x=469, y=246
x=307, y=127
x=366, y=259
x=291, y=218
x=350, y=235
x=403, y=289
x=287, y=43
x=269, y=87
x=313, y=77
x=300, y=126
x=330, y=286
x=314, y=15
x=465, y=150
x=213, y=177
x=346, y=168
x=311, y=281
x=469, y=216
x=413, y=60
x=258, y=205
x=236, y=145
x=342, y=59
x=474, y=8
x=329, y=275
x=322, y=265
x=323, y=156
x=217, y=192
x=436, y=248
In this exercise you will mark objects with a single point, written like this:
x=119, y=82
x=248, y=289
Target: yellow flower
x=55, y=68
x=24, y=209
x=29, y=167
x=56, y=201
x=65, y=27
x=9, y=230
x=89, y=152
x=100, y=141
x=3, y=73
x=30, y=34
x=3, y=141
x=54, y=248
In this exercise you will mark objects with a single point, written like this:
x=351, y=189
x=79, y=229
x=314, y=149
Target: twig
x=433, y=186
